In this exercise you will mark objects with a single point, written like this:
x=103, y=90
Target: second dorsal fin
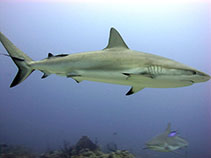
x=115, y=40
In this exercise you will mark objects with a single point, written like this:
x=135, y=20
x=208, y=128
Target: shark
x=115, y=64
x=168, y=141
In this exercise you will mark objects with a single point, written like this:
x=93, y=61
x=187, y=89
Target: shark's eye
x=194, y=72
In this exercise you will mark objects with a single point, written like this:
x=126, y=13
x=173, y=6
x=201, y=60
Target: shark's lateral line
x=168, y=141
x=115, y=64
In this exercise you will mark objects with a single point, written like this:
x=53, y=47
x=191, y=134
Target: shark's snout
x=201, y=77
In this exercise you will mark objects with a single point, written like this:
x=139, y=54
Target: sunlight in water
x=118, y=1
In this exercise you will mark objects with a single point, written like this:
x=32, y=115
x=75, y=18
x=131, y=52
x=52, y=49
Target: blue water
x=41, y=114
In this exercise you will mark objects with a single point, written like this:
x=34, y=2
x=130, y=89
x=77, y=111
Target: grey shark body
x=166, y=141
x=116, y=64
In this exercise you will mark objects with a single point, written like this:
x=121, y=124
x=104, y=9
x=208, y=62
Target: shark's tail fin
x=19, y=58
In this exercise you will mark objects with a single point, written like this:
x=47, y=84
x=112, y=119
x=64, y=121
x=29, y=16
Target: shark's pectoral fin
x=134, y=89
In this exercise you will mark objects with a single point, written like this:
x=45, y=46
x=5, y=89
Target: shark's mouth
x=191, y=81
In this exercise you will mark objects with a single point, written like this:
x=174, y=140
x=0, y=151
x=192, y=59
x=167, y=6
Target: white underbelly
x=121, y=79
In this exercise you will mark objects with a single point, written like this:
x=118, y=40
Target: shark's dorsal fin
x=168, y=129
x=50, y=55
x=115, y=40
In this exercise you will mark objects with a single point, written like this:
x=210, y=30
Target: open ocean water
x=42, y=114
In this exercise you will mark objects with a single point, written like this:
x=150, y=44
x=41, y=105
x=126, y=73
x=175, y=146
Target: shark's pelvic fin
x=134, y=89
x=115, y=40
x=77, y=79
x=75, y=76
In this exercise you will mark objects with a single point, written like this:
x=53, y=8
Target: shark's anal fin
x=134, y=89
x=44, y=75
x=75, y=76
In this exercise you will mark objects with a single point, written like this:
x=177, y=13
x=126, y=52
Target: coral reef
x=110, y=147
x=86, y=153
x=85, y=143
x=17, y=151
x=54, y=154
x=84, y=148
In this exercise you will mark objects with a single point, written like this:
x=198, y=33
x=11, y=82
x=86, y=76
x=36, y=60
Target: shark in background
x=116, y=64
x=168, y=141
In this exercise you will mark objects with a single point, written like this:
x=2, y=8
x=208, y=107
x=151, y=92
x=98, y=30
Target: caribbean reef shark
x=168, y=141
x=116, y=64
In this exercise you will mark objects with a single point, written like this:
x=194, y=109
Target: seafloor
x=84, y=148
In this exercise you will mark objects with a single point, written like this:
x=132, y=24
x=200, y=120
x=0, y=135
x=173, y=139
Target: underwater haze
x=42, y=113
